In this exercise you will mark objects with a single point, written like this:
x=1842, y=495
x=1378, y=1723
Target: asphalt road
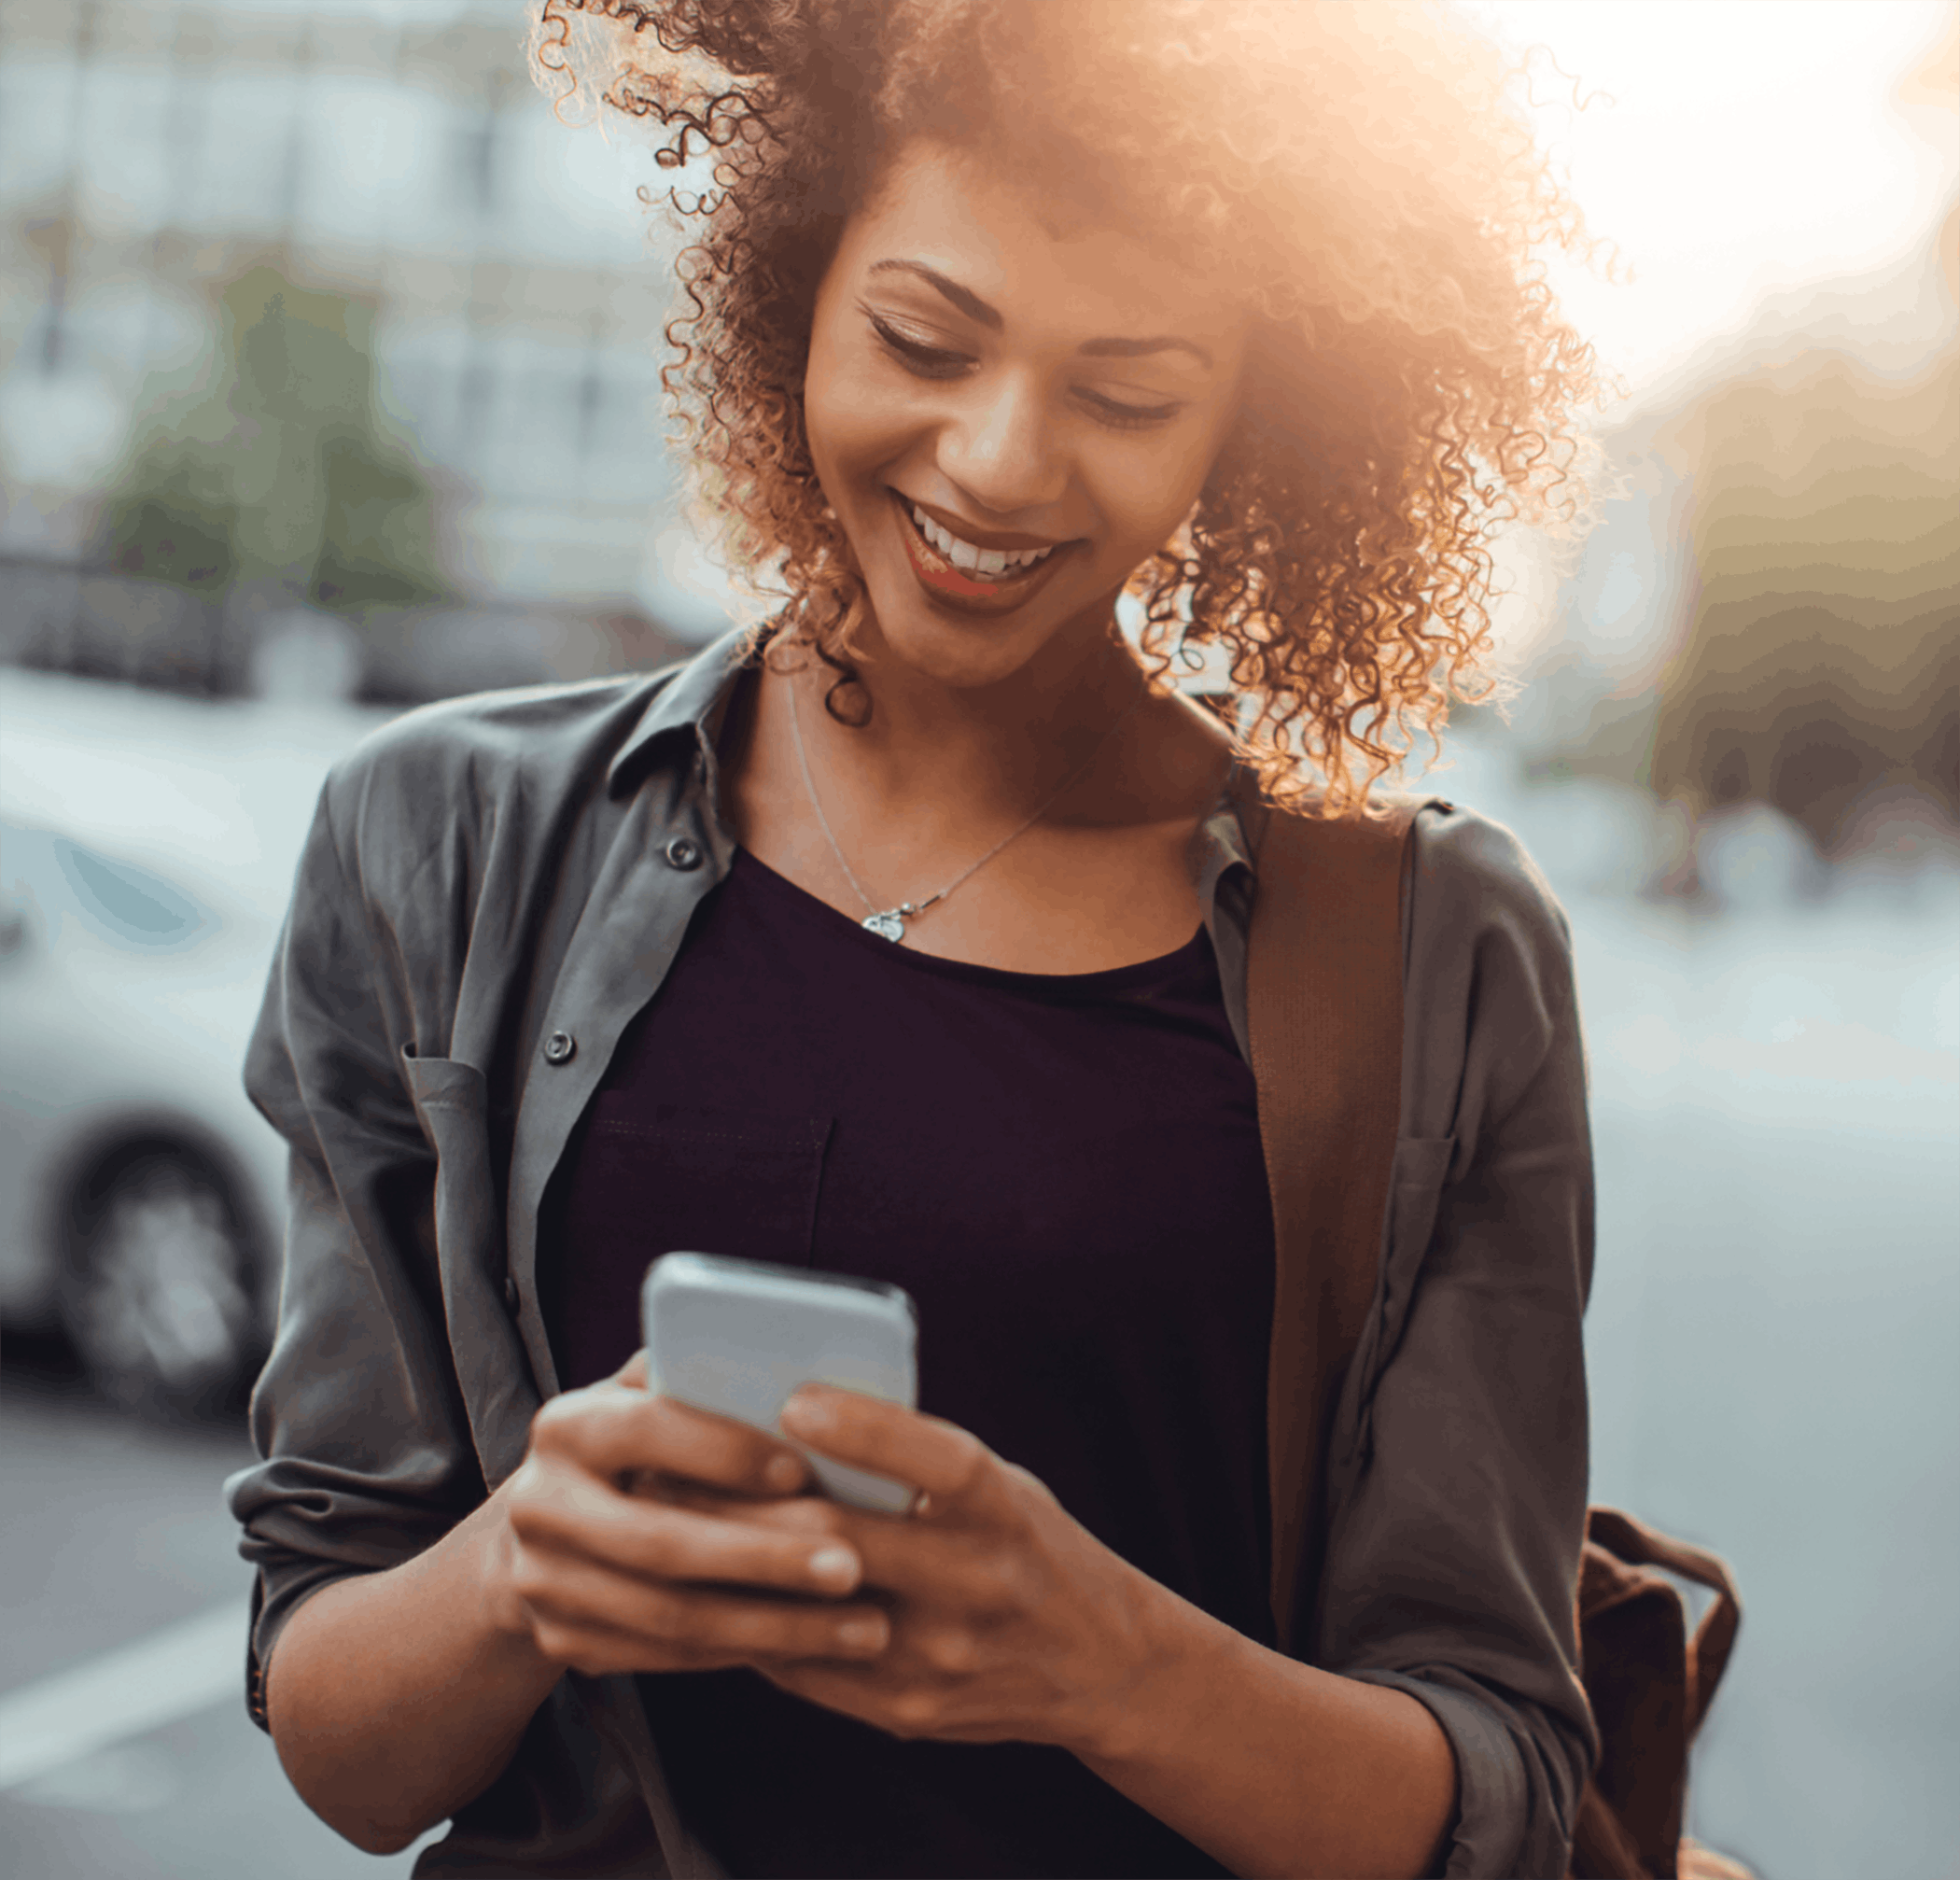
x=114, y=1533
x=1771, y=1338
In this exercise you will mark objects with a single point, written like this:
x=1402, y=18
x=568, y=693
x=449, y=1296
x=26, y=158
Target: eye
x=1123, y=418
x=928, y=362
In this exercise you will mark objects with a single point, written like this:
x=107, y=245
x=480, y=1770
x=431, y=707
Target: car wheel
x=157, y=1293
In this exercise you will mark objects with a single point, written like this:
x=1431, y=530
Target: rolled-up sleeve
x=1459, y=1487
x=358, y=1419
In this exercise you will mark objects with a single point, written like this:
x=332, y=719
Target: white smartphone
x=737, y=1336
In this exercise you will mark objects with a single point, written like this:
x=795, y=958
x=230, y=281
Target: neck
x=979, y=750
x=1084, y=786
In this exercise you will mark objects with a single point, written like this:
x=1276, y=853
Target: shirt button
x=683, y=852
x=510, y=1295
x=559, y=1047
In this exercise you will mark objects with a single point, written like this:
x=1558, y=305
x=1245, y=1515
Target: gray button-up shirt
x=494, y=885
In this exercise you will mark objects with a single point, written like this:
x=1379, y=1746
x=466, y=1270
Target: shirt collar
x=692, y=700
x=1221, y=842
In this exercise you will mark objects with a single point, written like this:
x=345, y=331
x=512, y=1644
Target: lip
x=949, y=587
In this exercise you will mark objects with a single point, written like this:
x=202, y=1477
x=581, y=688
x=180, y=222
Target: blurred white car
x=140, y=1193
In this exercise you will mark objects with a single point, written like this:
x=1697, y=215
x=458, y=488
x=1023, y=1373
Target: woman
x=906, y=938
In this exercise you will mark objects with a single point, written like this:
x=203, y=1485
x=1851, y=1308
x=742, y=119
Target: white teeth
x=974, y=560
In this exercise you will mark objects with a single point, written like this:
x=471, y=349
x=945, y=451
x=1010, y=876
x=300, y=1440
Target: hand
x=1010, y=1621
x=630, y=1542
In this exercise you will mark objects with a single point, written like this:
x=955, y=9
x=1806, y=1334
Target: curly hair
x=1362, y=177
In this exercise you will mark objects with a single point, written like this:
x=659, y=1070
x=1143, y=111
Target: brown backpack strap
x=1323, y=998
x=1638, y=1545
x=1650, y=1687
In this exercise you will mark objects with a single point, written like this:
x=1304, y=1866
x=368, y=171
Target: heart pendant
x=891, y=926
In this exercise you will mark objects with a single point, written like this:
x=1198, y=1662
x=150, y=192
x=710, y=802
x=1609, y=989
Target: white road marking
x=126, y=1778
x=173, y=1673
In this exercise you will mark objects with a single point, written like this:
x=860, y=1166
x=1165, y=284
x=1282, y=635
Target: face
x=1006, y=415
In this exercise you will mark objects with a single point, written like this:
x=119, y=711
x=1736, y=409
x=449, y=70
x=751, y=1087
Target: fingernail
x=784, y=1471
x=834, y=1563
x=809, y=1413
x=864, y=1634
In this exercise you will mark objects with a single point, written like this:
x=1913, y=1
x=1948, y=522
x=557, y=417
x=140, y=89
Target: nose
x=1001, y=451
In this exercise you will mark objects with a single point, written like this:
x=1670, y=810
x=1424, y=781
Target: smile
x=981, y=580
x=989, y=564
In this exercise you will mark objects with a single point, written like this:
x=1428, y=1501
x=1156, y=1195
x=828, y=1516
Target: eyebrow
x=978, y=310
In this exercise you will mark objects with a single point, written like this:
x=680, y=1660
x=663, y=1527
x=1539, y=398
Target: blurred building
x=1769, y=612
x=315, y=323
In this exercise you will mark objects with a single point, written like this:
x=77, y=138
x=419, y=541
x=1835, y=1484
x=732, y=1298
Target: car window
x=120, y=900
x=132, y=903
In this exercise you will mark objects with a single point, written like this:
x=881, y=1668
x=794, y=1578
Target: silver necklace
x=890, y=923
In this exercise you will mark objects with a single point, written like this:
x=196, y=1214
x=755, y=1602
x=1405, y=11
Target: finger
x=679, y=1491
x=893, y=1556
x=950, y=1465
x=570, y=1514
x=810, y=1514
x=633, y=1373
x=610, y=1429
x=582, y=1610
x=899, y=1557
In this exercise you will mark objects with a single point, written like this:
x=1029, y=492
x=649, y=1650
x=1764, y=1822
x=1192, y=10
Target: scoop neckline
x=1106, y=979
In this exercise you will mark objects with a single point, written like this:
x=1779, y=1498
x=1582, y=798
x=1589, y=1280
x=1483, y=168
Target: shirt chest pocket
x=492, y=1370
x=644, y=1182
x=453, y=1105
x=700, y=1180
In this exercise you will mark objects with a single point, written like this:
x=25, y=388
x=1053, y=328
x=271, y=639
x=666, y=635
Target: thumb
x=633, y=1373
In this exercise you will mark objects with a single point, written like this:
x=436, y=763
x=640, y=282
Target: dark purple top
x=1065, y=1174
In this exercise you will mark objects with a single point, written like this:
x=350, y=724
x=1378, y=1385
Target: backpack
x=1324, y=1014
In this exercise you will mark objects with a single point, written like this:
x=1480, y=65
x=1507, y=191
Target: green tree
x=274, y=473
